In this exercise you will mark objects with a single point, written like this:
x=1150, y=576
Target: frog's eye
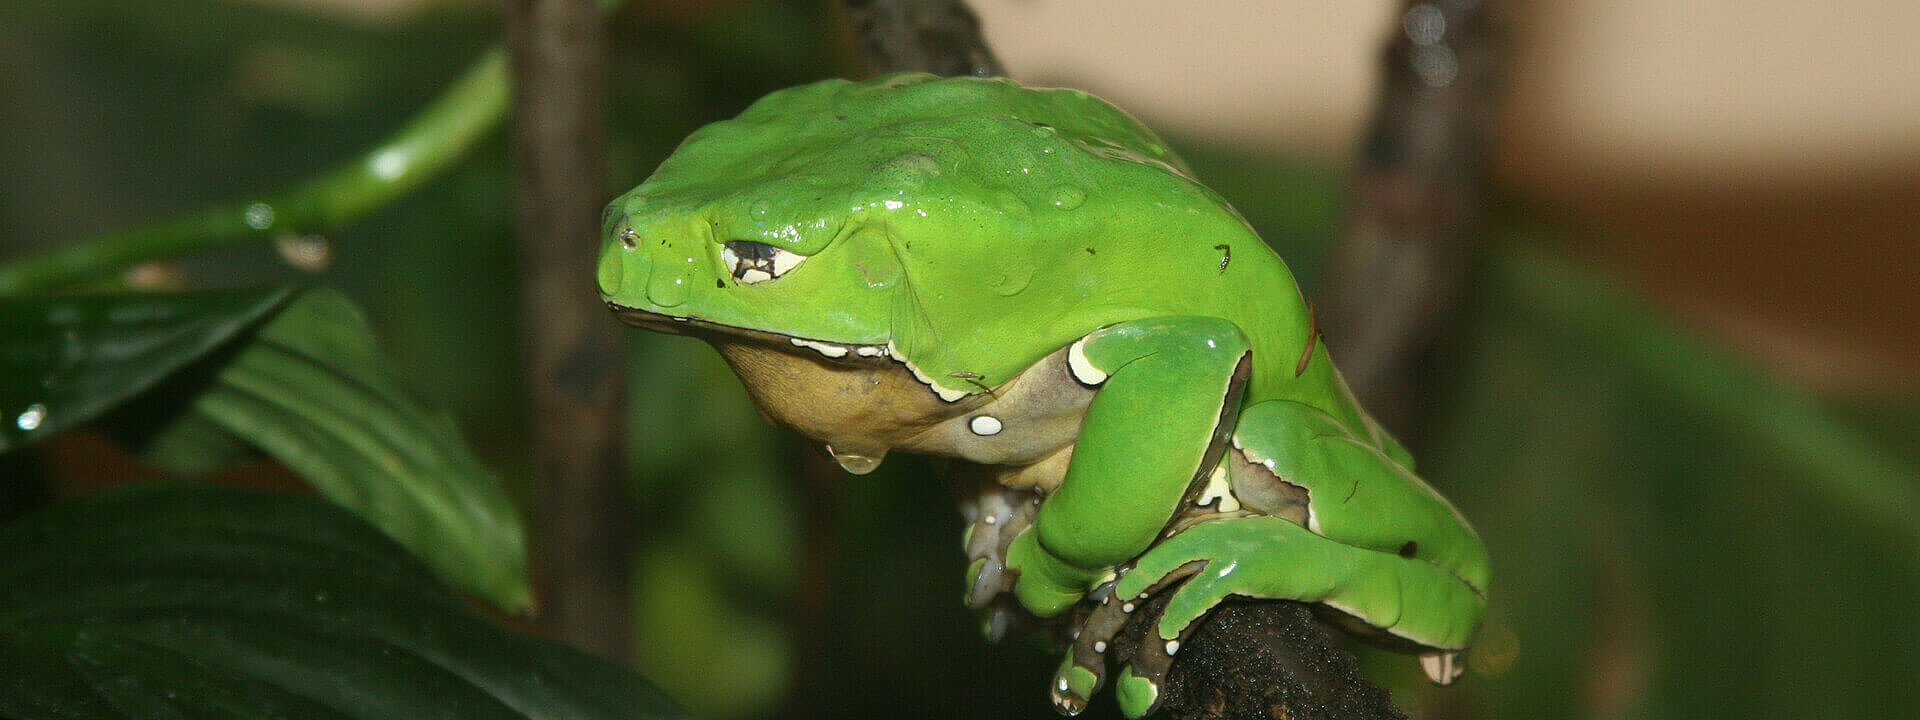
x=751, y=262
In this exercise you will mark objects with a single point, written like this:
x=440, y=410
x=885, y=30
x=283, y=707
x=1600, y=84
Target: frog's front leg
x=1169, y=390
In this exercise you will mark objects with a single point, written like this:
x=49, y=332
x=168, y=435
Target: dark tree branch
x=572, y=355
x=934, y=36
x=1396, y=276
x=1268, y=660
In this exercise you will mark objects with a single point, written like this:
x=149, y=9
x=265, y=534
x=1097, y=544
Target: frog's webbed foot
x=1121, y=629
x=995, y=515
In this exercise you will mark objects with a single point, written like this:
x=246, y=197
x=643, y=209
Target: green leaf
x=66, y=360
x=202, y=602
x=304, y=383
x=311, y=390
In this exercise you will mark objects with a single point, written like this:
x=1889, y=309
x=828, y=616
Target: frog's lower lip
x=660, y=322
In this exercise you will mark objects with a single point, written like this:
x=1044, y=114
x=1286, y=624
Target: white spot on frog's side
x=984, y=425
x=946, y=393
x=1082, y=368
x=1062, y=685
x=870, y=351
x=1126, y=608
x=828, y=349
x=1218, y=489
x=1099, y=646
x=1173, y=646
x=32, y=417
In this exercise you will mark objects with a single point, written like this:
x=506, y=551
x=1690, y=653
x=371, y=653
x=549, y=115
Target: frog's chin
x=716, y=332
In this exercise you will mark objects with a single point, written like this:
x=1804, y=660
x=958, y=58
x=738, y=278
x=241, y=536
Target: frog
x=1030, y=284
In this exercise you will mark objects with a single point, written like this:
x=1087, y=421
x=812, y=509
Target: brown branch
x=933, y=36
x=573, y=370
x=1396, y=276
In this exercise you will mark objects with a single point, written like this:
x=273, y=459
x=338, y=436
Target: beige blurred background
x=1752, y=163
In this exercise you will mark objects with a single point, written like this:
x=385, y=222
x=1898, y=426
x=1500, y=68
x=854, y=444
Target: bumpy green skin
x=975, y=227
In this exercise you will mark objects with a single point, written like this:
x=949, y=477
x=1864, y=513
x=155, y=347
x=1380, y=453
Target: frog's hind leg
x=1373, y=542
x=1357, y=494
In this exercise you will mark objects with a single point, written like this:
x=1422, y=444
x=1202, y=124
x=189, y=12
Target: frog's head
x=748, y=261
x=850, y=216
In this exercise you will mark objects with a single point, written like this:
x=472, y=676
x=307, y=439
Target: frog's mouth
x=713, y=331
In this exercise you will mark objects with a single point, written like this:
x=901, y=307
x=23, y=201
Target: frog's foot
x=1411, y=601
x=995, y=515
x=1114, y=623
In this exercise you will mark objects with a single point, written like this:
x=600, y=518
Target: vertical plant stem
x=1397, y=273
x=572, y=355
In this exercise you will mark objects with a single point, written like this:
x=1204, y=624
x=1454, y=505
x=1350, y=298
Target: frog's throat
x=847, y=353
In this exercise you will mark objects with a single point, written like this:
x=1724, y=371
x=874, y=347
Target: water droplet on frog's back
x=1066, y=197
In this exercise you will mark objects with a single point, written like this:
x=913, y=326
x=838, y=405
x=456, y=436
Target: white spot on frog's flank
x=1173, y=646
x=1127, y=608
x=991, y=519
x=259, y=216
x=1099, y=646
x=892, y=204
x=984, y=425
x=1082, y=368
x=827, y=349
x=1062, y=685
x=1218, y=490
x=32, y=417
x=387, y=164
x=869, y=351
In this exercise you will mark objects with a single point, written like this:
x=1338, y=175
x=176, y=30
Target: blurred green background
x=1676, y=534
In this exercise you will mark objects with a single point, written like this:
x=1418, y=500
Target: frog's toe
x=1074, y=684
x=995, y=516
x=990, y=579
x=1138, y=695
